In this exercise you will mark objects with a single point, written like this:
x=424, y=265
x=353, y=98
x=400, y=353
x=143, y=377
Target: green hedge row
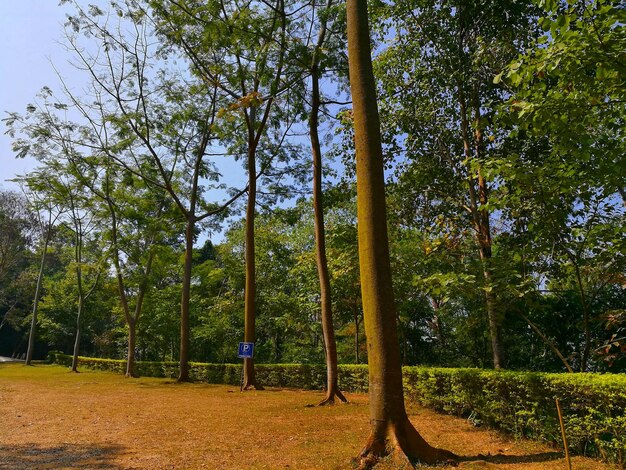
x=520, y=403
x=353, y=378
x=523, y=404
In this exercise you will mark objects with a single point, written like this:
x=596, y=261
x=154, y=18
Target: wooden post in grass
x=567, y=459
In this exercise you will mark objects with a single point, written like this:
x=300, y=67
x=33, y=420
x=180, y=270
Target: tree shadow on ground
x=30, y=456
x=512, y=459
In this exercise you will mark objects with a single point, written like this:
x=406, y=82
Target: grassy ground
x=51, y=418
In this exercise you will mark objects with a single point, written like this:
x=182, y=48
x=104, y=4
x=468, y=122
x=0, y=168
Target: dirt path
x=9, y=359
x=51, y=419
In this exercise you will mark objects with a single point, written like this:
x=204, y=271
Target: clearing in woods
x=51, y=418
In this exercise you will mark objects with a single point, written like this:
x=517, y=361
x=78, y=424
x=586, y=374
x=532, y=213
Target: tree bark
x=328, y=330
x=480, y=221
x=356, y=333
x=132, y=321
x=78, y=254
x=132, y=342
x=78, y=333
x=484, y=236
x=183, y=375
x=249, y=376
x=33, y=323
x=391, y=431
x=586, y=327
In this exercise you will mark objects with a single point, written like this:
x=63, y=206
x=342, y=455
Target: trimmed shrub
x=523, y=404
x=519, y=403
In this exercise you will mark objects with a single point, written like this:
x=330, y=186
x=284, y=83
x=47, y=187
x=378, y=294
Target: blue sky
x=29, y=34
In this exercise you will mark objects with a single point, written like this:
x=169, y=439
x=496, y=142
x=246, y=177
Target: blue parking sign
x=245, y=350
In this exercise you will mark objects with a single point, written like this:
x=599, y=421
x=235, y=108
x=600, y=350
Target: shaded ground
x=50, y=418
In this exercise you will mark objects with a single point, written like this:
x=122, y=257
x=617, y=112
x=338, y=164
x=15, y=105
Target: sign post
x=245, y=351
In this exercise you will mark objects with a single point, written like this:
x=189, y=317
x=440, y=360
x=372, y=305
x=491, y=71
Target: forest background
x=503, y=127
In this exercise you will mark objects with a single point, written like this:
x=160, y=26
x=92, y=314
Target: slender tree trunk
x=78, y=254
x=485, y=240
x=330, y=345
x=495, y=330
x=132, y=342
x=120, y=285
x=33, y=323
x=391, y=430
x=356, y=333
x=184, y=302
x=78, y=333
x=586, y=326
x=132, y=321
x=255, y=131
x=278, y=345
x=249, y=377
x=480, y=221
x=436, y=322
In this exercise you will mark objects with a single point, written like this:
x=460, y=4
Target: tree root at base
x=330, y=398
x=250, y=386
x=404, y=445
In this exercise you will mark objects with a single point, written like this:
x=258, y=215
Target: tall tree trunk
x=33, y=323
x=78, y=333
x=255, y=132
x=355, y=311
x=132, y=321
x=485, y=239
x=78, y=255
x=120, y=284
x=183, y=375
x=391, y=430
x=436, y=322
x=480, y=221
x=132, y=342
x=586, y=326
x=249, y=377
x=330, y=346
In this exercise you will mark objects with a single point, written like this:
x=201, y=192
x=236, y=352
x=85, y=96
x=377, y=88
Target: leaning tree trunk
x=133, y=320
x=391, y=430
x=547, y=341
x=330, y=345
x=33, y=323
x=249, y=377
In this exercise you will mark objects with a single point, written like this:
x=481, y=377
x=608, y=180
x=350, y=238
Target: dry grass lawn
x=53, y=419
